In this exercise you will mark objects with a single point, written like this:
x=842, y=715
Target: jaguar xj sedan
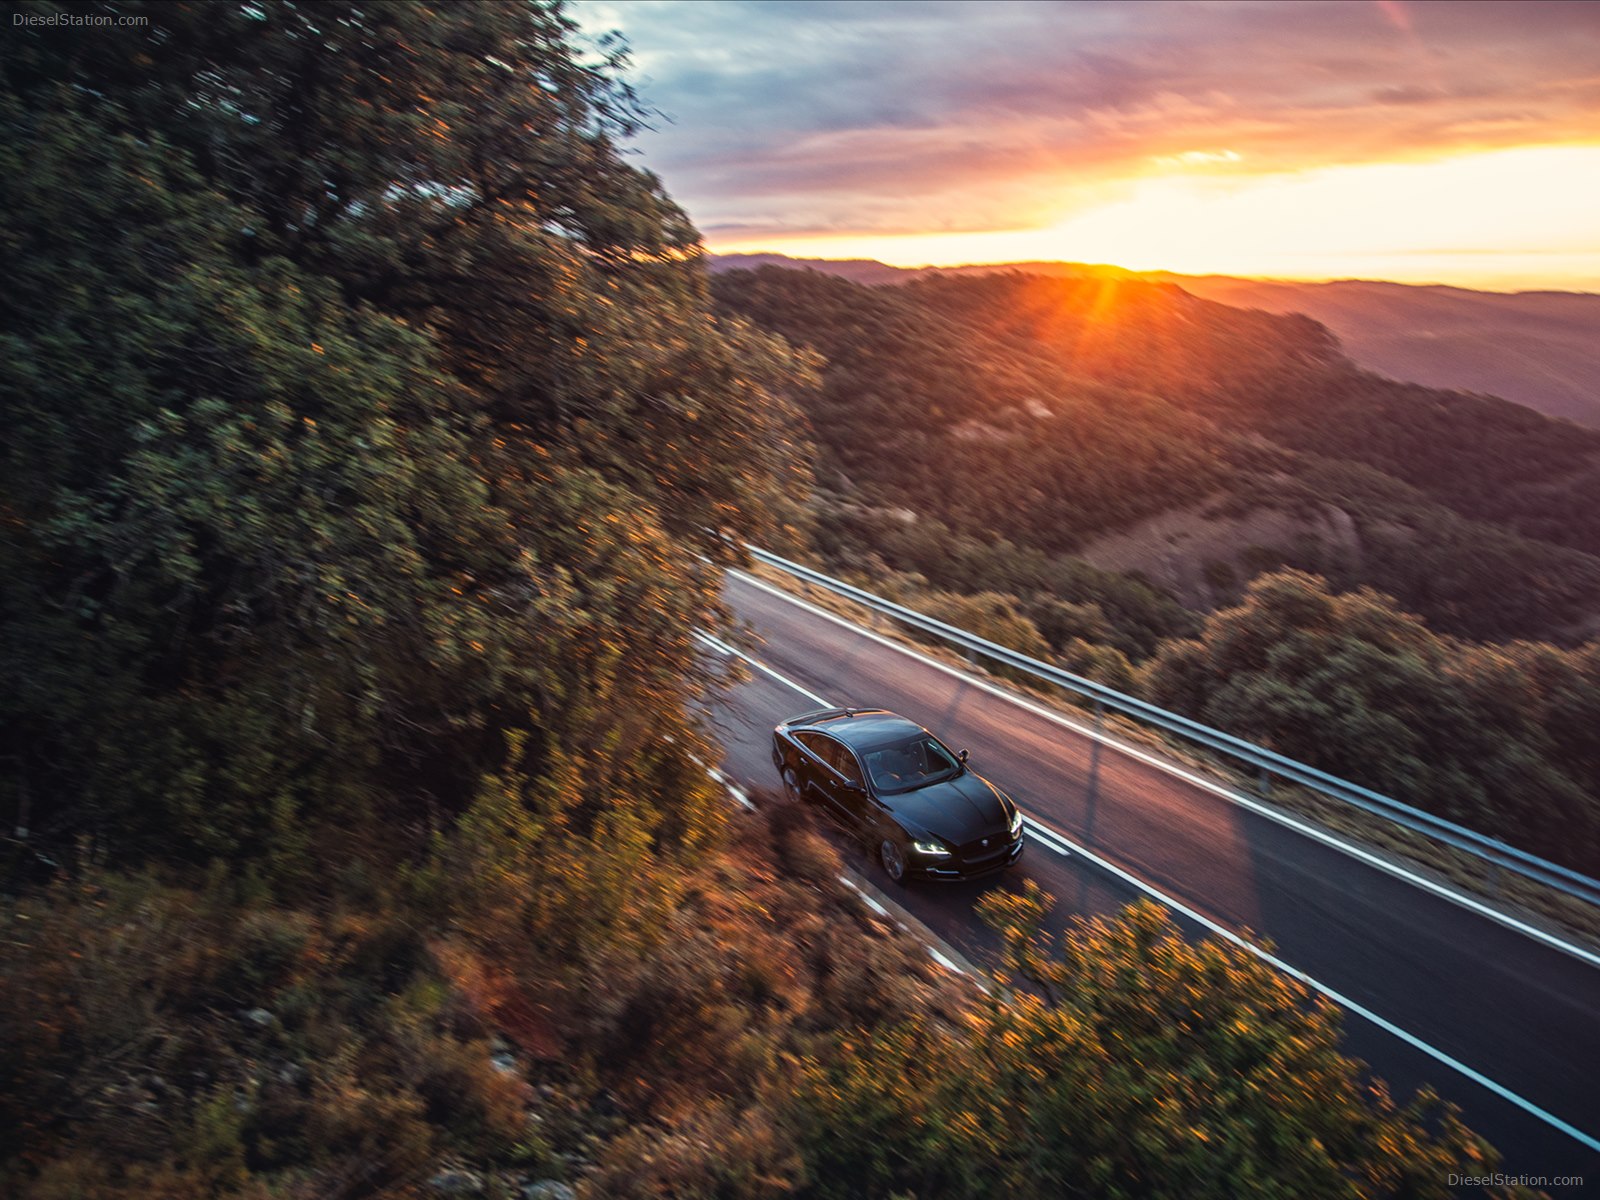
x=916, y=804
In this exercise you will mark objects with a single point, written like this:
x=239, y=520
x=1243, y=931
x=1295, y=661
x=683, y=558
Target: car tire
x=791, y=785
x=893, y=859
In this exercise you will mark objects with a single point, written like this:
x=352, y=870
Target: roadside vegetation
x=370, y=445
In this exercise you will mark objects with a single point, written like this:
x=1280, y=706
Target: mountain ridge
x=1539, y=348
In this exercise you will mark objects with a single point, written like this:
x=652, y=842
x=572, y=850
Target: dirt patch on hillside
x=1206, y=554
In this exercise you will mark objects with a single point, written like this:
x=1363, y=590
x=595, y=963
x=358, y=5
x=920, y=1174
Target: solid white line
x=728, y=785
x=1059, y=842
x=1339, y=998
x=733, y=789
x=934, y=952
x=1046, y=837
x=725, y=649
x=870, y=900
x=1321, y=835
x=944, y=962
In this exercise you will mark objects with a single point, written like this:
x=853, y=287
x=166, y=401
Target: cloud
x=859, y=115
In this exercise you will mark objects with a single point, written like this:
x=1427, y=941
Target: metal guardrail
x=1269, y=764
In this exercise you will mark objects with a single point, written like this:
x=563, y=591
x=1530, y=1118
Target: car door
x=849, y=786
x=836, y=779
x=814, y=770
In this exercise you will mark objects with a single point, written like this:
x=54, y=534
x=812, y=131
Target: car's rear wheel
x=791, y=784
x=893, y=860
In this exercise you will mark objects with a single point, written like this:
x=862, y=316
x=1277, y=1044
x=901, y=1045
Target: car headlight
x=931, y=846
x=1016, y=821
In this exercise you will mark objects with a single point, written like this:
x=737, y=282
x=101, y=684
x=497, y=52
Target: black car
x=917, y=804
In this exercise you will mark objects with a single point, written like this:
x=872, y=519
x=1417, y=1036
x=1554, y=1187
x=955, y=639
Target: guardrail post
x=1265, y=785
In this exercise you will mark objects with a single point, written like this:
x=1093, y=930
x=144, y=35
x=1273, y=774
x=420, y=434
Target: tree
x=1129, y=1062
x=364, y=409
x=1484, y=735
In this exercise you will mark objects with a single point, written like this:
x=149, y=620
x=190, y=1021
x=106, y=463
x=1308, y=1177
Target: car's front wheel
x=791, y=784
x=893, y=859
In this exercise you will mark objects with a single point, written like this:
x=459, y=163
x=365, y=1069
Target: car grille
x=976, y=854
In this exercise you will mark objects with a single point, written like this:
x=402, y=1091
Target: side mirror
x=961, y=757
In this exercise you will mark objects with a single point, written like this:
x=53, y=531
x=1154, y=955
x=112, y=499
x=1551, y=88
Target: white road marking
x=732, y=788
x=728, y=785
x=1046, y=837
x=1340, y=999
x=933, y=953
x=723, y=648
x=869, y=899
x=1583, y=954
x=1055, y=840
x=938, y=956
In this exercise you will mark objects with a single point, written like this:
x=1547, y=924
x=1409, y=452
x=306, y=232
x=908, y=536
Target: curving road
x=1522, y=1017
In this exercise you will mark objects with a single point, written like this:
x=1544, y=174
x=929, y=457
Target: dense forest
x=1283, y=377
x=981, y=439
x=371, y=447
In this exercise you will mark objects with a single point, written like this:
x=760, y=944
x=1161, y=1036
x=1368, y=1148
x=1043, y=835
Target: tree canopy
x=1050, y=413
x=363, y=404
x=1500, y=738
x=1130, y=1063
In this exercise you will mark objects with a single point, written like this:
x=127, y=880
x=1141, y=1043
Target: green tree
x=364, y=408
x=1484, y=735
x=1029, y=416
x=1129, y=1063
x=990, y=615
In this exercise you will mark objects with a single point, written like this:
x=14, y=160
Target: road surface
x=1523, y=1015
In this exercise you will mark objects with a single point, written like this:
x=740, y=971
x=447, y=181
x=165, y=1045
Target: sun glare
x=1522, y=217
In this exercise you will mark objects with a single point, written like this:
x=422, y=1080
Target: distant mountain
x=1133, y=428
x=856, y=270
x=1538, y=349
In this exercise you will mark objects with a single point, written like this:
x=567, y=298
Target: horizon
x=1118, y=269
x=1442, y=144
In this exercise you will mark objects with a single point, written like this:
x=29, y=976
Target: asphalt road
x=1522, y=1014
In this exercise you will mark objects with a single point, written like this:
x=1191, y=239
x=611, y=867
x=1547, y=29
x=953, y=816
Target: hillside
x=1538, y=349
x=1056, y=413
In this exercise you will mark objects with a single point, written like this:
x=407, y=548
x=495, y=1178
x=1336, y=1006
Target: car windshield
x=901, y=766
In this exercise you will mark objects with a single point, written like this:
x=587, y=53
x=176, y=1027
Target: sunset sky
x=1421, y=142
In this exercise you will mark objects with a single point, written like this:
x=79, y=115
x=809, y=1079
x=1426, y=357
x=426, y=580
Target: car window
x=813, y=742
x=831, y=752
x=912, y=763
x=842, y=761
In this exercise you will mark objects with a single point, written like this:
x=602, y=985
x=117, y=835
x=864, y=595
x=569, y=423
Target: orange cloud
x=904, y=122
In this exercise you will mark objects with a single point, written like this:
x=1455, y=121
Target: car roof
x=859, y=728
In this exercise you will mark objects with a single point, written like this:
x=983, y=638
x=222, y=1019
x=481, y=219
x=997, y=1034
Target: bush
x=1133, y=1064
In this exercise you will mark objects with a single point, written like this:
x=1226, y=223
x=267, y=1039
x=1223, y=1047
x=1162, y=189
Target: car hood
x=958, y=810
